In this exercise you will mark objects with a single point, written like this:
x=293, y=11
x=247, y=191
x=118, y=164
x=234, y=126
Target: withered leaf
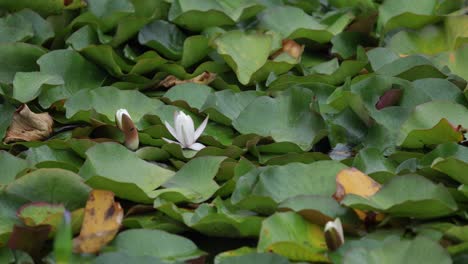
x=102, y=220
x=29, y=239
x=204, y=78
x=389, y=98
x=290, y=47
x=353, y=181
x=28, y=126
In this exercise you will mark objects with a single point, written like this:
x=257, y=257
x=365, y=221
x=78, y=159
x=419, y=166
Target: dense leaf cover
x=314, y=109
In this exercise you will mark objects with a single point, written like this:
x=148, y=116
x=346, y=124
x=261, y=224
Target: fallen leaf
x=291, y=47
x=28, y=126
x=29, y=239
x=204, y=78
x=353, y=181
x=102, y=220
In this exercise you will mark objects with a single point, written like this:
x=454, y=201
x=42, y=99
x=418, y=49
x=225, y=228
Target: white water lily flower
x=334, y=235
x=184, y=131
x=125, y=123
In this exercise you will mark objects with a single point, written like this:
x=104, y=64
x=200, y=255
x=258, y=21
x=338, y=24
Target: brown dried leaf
x=102, y=220
x=28, y=126
x=204, y=78
x=291, y=47
x=389, y=98
x=30, y=239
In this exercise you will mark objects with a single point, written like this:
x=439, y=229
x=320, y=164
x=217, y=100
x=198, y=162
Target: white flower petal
x=339, y=228
x=196, y=146
x=171, y=130
x=171, y=141
x=118, y=117
x=188, y=130
x=200, y=129
x=178, y=123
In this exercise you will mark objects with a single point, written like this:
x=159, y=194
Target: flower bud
x=334, y=236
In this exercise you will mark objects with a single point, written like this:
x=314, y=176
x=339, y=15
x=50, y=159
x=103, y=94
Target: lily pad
x=56, y=186
x=11, y=167
x=244, y=53
x=107, y=100
x=193, y=182
x=407, y=196
x=155, y=243
x=113, y=167
x=262, y=188
x=289, y=235
x=21, y=57
x=210, y=13
x=76, y=72
x=306, y=128
x=433, y=123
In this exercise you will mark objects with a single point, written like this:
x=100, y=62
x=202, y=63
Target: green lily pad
x=302, y=26
x=193, y=94
x=113, y=167
x=155, y=243
x=407, y=196
x=260, y=258
x=192, y=183
x=15, y=28
x=122, y=258
x=318, y=209
x=211, y=13
x=106, y=101
x=454, y=60
x=225, y=106
x=56, y=186
x=244, y=53
x=400, y=251
x=46, y=157
x=11, y=167
x=47, y=7
x=306, y=128
x=76, y=72
x=20, y=57
x=42, y=28
x=289, y=235
x=449, y=158
x=262, y=188
x=433, y=123
x=219, y=219
x=164, y=38
x=28, y=85
x=400, y=13
x=373, y=163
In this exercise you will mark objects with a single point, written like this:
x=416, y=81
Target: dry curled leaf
x=30, y=239
x=389, y=98
x=102, y=220
x=353, y=181
x=28, y=126
x=204, y=78
x=291, y=47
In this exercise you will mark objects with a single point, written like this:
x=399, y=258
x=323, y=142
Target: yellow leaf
x=102, y=220
x=353, y=181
